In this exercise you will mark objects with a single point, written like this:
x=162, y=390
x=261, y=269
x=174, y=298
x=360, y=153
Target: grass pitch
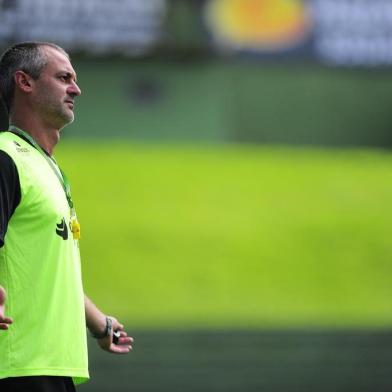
x=230, y=236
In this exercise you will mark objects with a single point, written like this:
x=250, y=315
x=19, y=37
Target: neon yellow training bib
x=40, y=270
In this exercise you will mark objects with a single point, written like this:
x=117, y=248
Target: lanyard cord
x=51, y=161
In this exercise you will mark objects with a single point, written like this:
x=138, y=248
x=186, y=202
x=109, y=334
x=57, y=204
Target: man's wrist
x=106, y=332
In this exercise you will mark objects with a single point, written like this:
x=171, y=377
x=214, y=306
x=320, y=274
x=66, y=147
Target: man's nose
x=74, y=89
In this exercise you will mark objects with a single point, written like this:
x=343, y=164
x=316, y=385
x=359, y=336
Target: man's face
x=55, y=89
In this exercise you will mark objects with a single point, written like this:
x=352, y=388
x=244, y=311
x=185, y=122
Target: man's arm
x=9, y=199
x=4, y=321
x=97, y=324
x=10, y=193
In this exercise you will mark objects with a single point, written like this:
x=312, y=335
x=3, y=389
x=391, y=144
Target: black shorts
x=37, y=384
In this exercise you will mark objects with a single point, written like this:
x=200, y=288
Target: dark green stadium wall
x=212, y=101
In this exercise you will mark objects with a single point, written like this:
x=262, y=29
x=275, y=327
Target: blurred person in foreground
x=43, y=345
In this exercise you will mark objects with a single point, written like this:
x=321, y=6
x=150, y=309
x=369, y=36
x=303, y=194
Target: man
x=43, y=309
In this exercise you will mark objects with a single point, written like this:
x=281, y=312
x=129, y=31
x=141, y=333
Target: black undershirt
x=10, y=193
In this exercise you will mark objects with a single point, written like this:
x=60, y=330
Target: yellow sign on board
x=258, y=24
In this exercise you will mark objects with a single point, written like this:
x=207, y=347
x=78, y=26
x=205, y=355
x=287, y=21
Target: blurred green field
x=234, y=236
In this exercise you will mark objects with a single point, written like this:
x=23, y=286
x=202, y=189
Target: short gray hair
x=27, y=57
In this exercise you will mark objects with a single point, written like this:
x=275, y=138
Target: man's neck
x=45, y=136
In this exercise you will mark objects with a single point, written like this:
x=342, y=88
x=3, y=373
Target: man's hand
x=124, y=343
x=4, y=321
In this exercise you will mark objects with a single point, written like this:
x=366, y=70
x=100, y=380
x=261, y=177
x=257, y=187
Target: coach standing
x=43, y=309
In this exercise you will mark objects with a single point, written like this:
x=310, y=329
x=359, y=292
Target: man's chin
x=68, y=119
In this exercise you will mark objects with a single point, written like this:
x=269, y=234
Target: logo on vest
x=62, y=230
x=19, y=148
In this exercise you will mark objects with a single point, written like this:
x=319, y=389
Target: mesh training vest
x=40, y=270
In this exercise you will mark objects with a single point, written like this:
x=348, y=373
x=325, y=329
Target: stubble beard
x=57, y=114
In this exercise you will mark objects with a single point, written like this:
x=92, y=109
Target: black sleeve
x=9, y=192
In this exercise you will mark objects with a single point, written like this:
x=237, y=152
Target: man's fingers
x=123, y=345
x=4, y=326
x=120, y=349
x=123, y=334
x=125, y=341
x=6, y=320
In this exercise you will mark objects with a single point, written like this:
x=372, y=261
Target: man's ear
x=23, y=81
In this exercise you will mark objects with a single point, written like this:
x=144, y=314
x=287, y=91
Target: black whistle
x=116, y=336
